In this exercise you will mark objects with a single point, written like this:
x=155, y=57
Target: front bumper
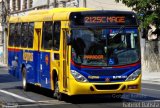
x=77, y=88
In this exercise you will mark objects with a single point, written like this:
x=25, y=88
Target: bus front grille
x=107, y=87
x=106, y=72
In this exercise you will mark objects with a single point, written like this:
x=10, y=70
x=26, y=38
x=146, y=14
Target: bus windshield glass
x=105, y=47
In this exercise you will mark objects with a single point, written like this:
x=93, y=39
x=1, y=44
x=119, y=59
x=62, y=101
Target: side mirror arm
x=68, y=39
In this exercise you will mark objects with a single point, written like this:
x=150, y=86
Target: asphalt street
x=12, y=96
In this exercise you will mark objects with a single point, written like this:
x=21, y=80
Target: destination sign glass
x=104, y=19
x=108, y=19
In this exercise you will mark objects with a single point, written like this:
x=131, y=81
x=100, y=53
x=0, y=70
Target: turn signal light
x=132, y=86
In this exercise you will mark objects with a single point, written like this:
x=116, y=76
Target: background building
x=3, y=29
x=1, y=45
x=21, y=7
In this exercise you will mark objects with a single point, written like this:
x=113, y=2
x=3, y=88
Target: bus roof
x=63, y=14
x=102, y=12
x=46, y=15
x=56, y=10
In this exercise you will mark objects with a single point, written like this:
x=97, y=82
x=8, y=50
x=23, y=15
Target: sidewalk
x=2, y=65
x=150, y=63
x=151, y=77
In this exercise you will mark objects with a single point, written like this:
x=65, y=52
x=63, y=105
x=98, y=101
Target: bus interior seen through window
x=21, y=35
x=104, y=47
x=51, y=35
x=56, y=36
x=47, y=35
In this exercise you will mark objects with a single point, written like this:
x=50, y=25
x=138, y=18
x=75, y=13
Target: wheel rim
x=56, y=91
x=24, y=79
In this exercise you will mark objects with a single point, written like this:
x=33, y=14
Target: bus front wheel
x=24, y=80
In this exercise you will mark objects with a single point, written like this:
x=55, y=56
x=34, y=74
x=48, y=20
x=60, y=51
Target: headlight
x=78, y=76
x=134, y=75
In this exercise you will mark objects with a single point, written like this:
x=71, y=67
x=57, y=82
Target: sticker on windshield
x=111, y=61
x=135, y=35
x=94, y=57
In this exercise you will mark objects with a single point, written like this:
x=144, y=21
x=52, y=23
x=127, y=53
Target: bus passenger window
x=56, y=36
x=47, y=35
x=30, y=35
x=11, y=34
x=24, y=39
x=17, y=35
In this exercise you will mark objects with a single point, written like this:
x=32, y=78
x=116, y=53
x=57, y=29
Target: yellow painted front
x=77, y=88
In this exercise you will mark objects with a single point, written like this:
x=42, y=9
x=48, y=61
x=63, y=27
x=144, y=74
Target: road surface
x=13, y=96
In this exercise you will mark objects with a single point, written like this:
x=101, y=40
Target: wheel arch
x=23, y=65
x=54, y=75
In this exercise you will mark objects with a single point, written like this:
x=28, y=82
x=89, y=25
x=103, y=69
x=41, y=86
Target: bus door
x=45, y=52
x=65, y=59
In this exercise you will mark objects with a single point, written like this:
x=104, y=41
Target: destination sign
x=104, y=19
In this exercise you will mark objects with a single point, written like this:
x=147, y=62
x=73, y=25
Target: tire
x=24, y=80
x=56, y=93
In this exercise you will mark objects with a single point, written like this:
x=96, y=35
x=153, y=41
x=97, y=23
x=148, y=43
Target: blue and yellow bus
x=76, y=51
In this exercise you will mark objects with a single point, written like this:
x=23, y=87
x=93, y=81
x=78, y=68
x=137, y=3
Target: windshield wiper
x=122, y=27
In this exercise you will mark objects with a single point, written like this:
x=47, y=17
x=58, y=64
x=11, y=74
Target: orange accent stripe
x=13, y=49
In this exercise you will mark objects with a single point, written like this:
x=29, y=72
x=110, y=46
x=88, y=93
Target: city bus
x=76, y=51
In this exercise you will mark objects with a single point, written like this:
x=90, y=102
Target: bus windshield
x=105, y=47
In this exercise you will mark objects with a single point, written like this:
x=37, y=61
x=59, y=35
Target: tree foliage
x=147, y=10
